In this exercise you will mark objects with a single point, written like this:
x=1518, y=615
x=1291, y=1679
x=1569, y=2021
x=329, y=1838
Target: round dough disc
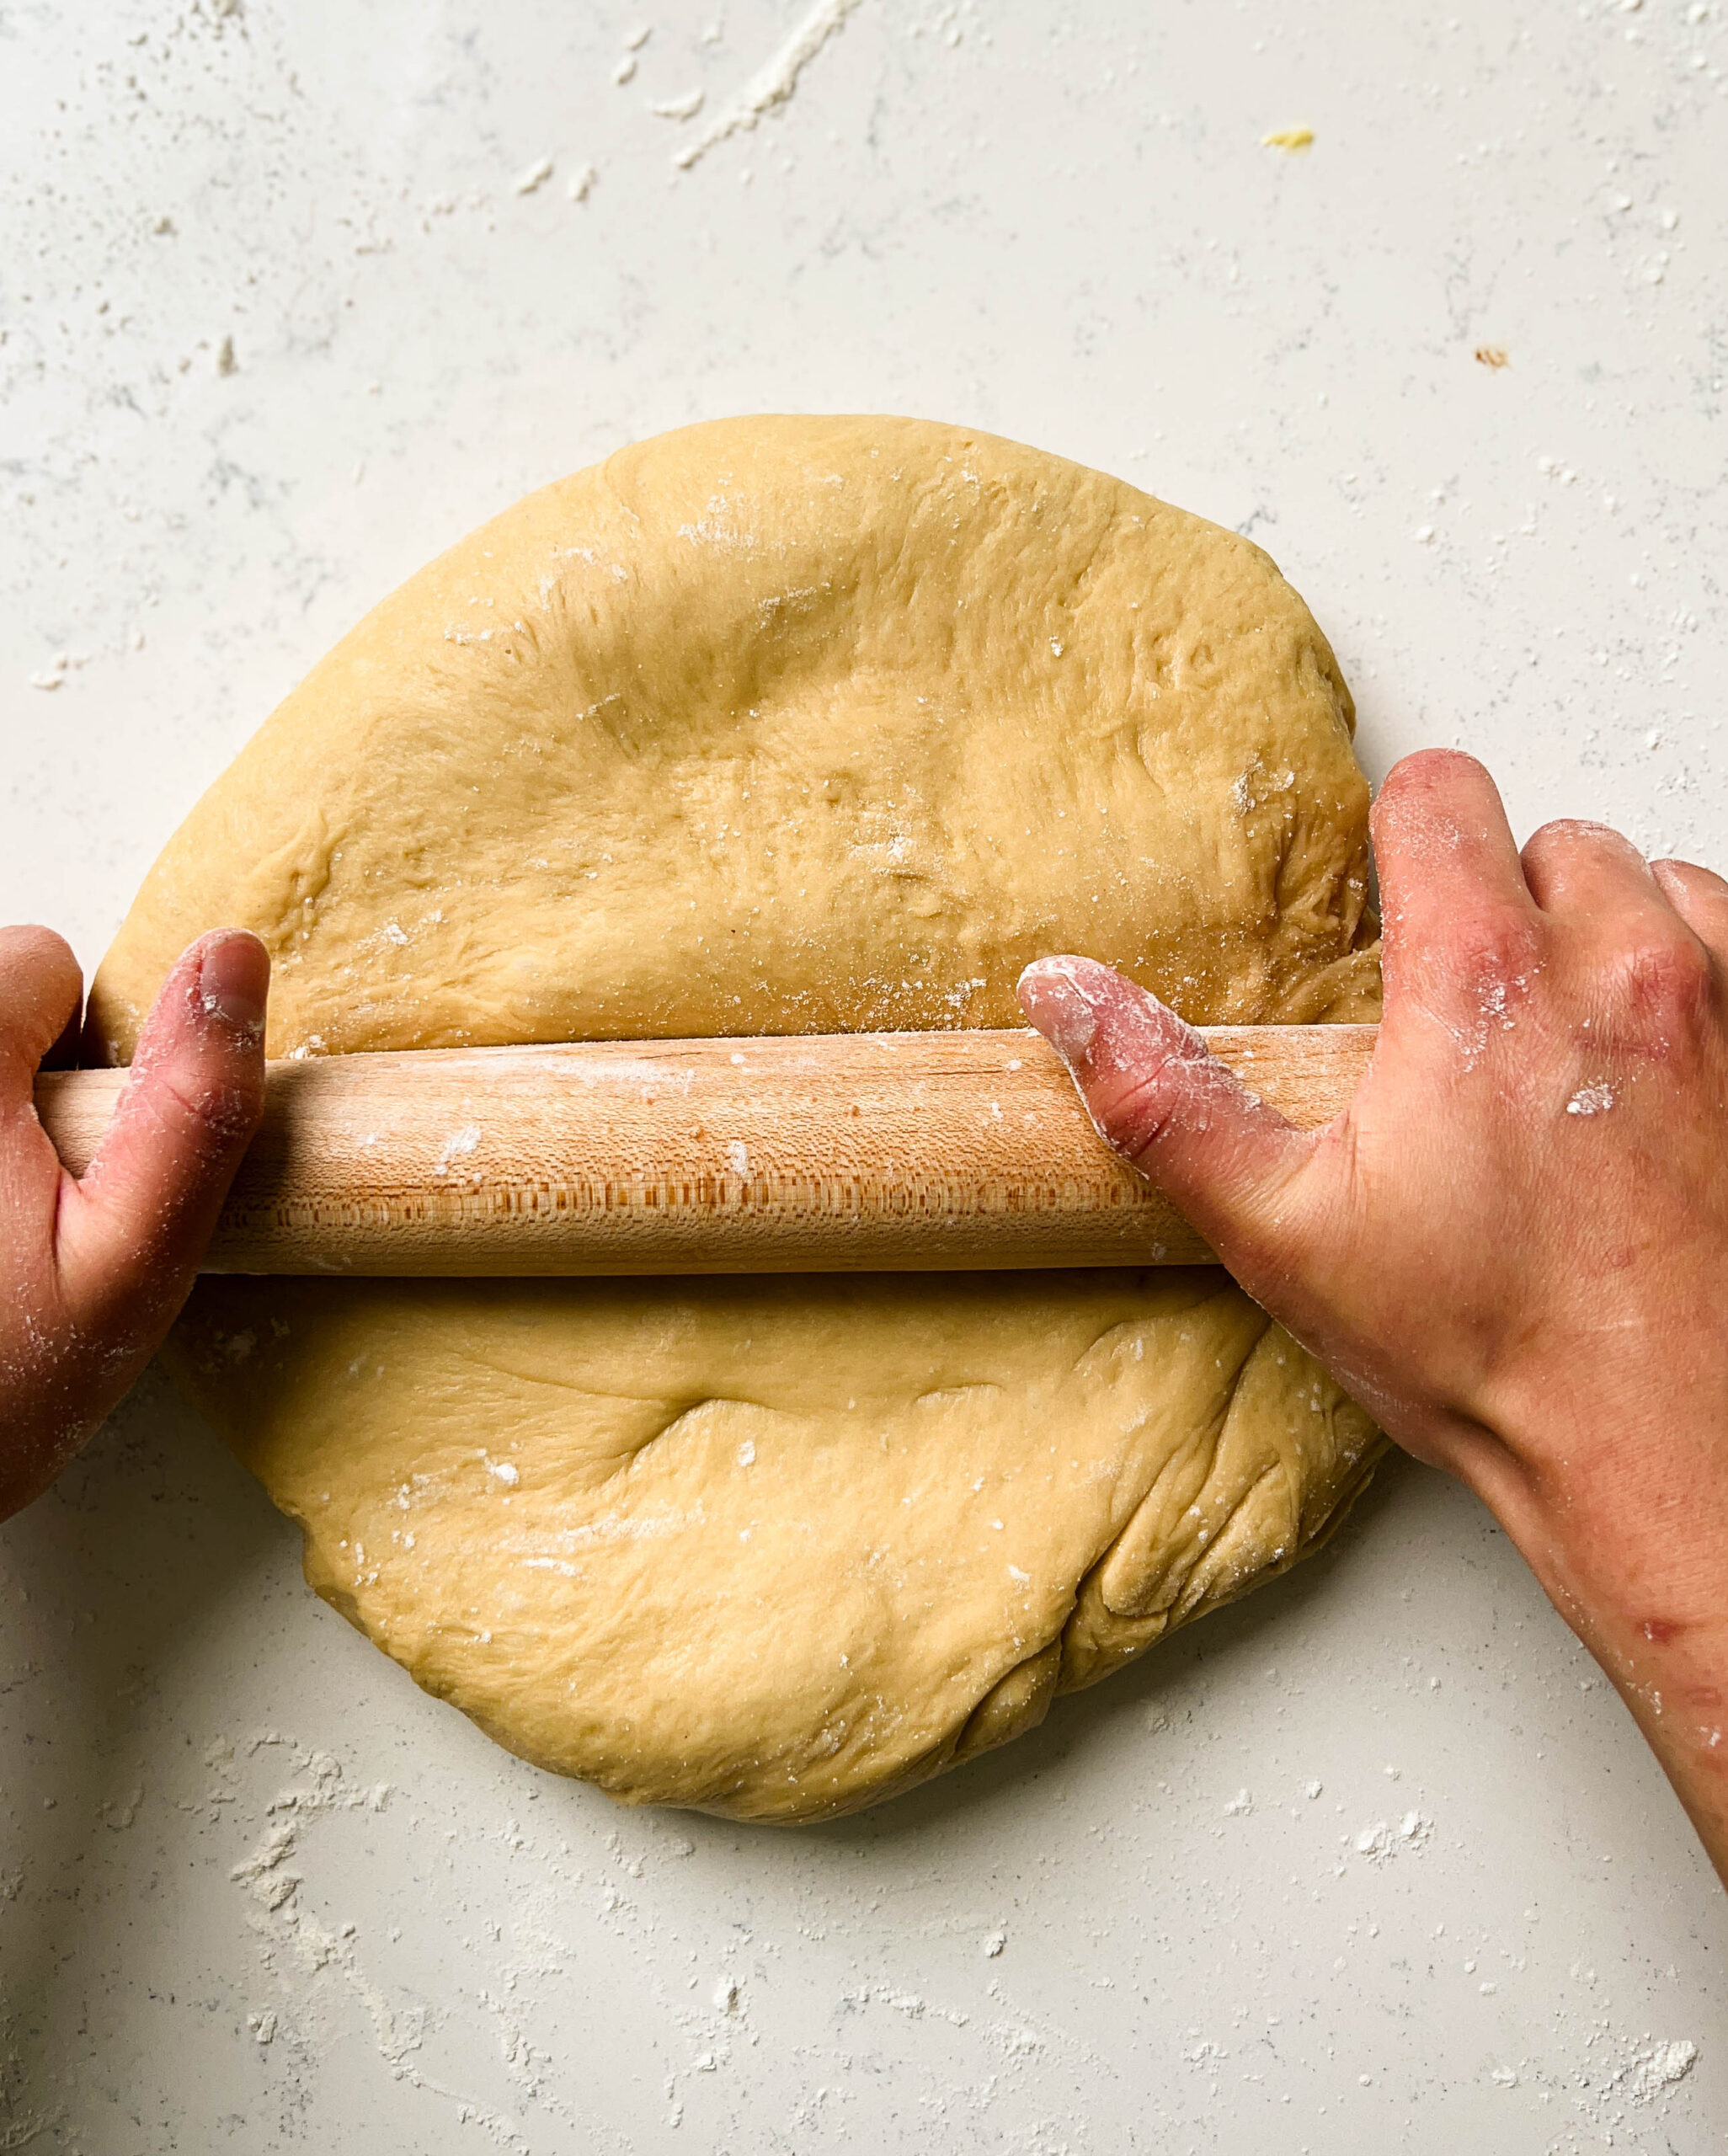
x=782, y=725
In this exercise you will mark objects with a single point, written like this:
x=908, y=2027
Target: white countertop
x=1373, y=1860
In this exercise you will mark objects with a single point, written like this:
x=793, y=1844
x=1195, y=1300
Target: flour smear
x=773, y=84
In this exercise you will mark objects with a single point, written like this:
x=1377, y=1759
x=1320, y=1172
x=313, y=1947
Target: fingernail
x=233, y=981
x=1060, y=1013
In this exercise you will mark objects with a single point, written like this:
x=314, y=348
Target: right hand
x=1512, y=1246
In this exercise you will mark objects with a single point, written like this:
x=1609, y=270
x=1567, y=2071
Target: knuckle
x=1574, y=840
x=40, y=980
x=1660, y=984
x=1563, y=830
x=1425, y=768
x=1141, y=1109
x=220, y=1111
x=1691, y=878
x=35, y=948
x=1493, y=949
x=1417, y=782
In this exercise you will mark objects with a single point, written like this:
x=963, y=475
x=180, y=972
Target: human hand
x=94, y=1269
x=1512, y=1246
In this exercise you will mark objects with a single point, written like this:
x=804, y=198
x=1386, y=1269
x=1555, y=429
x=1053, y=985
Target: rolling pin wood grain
x=857, y=1152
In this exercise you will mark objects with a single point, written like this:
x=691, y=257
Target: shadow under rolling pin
x=849, y=1152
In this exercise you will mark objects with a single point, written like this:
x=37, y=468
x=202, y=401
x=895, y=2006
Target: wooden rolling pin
x=852, y=1152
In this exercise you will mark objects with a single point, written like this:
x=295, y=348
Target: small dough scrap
x=780, y=725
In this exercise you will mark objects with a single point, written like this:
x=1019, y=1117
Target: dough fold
x=782, y=725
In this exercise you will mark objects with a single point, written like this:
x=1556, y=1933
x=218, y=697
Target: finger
x=41, y=993
x=135, y=1227
x=1439, y=828
x=1459, y=924
x=1579, y=872
x=1159, y=1096
x=1700, y=898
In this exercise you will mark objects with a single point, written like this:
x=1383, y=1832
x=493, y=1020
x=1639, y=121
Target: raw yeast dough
x=782, y=725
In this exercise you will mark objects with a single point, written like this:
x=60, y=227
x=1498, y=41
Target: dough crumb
x=50, y=676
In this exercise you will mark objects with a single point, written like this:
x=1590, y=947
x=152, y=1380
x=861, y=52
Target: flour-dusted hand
x=1512, y=1246
x=93, y=1270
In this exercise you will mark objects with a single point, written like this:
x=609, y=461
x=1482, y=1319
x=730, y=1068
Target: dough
x=774, y=1547
x=782, y=725
x=790, y=726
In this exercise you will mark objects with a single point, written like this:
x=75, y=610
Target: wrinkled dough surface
x=771, y=1547
x=776, y=726
x=790, y=726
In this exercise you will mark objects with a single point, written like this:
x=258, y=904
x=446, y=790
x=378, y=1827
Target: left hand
x=93, y=1270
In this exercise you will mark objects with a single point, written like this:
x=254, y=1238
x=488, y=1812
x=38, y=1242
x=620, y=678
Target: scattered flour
x=1382, y=1839
x=771, y=85
x=1654, y=2071
x=459, y=1143
x=908, y=2002
x=313, y=1962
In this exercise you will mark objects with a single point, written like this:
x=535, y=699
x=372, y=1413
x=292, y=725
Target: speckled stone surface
x=292, y=295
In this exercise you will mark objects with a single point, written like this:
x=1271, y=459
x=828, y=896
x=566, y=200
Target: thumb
x=132, y=1231
x=1155, y=1091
